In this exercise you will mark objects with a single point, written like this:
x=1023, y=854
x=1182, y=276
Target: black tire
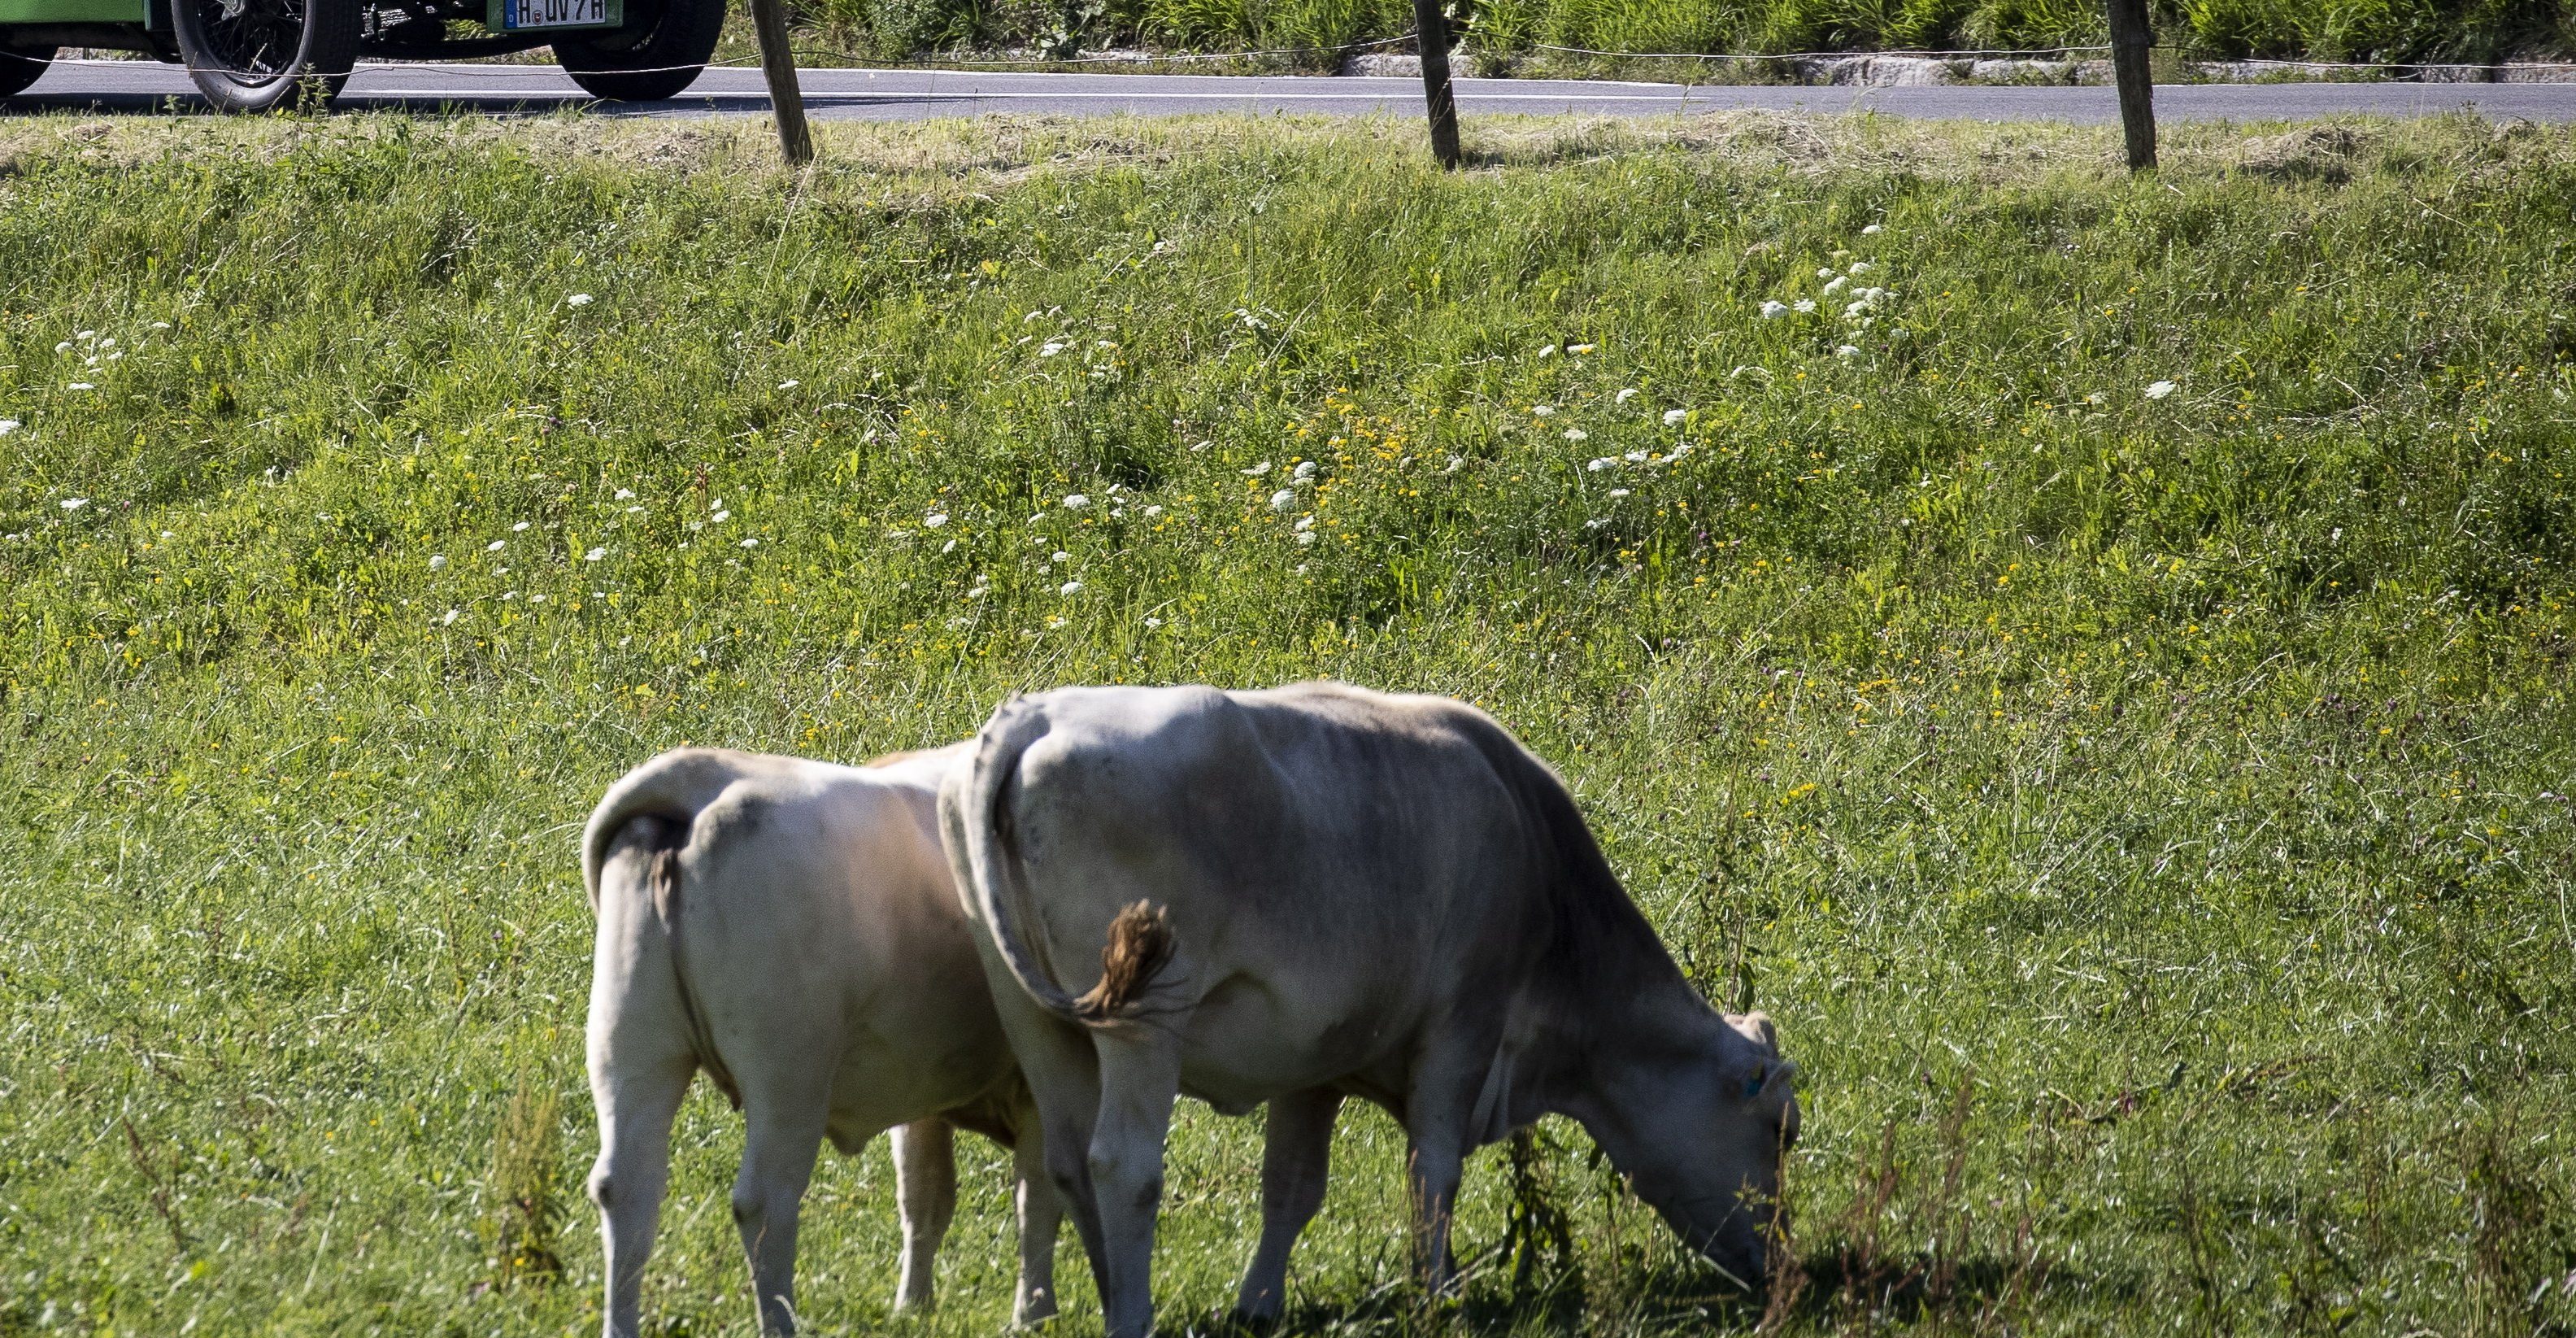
x=658, y=54
x=21, y=66
x=267, y=55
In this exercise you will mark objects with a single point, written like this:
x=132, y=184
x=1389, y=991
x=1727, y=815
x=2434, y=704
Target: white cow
x=791, y=928
x=1316, y=891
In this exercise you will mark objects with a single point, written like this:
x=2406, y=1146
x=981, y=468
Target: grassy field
x=2106, y=693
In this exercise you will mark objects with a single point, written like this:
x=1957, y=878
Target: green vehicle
x=254, y=55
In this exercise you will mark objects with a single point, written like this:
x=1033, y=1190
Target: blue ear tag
x=1753, y=1085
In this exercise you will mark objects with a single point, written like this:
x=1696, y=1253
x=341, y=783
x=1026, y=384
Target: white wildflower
x=1283, y=499
x=1069, y=588
x=1456, y=463
x=1605, y=462
x=1257, y=470
x=496, y=545
x=721, y=517
x=63, y=347
x=1049, y=349
x=789, y=384
x=1306, y=538
x=1578, y=348
x=1804, y=305
x=1674, y=417
x=451, y=617
x=9, y=425
x=80, y=385
x=74, y=503
x=577, y=300
x=1774, y=310
x=1305, y=471
x=934, y=520
x=1305, y=523
x=1872, y=230
x=1542, y=410
x=85, y=336
x=1151, y=623
x=594, y=555
x=1075, y=501
x=1860, y=267
x=1625, y=395
x=1837, y=285
x=1636, y=457
x=1060, y=556
x=623, y=495
x=1548, y=352
x=519, y=528
x=160, y=325
x=1847, y=351
x=1577, y=434
x=1616, y=493
x=2161, y=389
x=437, y=560
x=751, y=543
x=1825, y=273
x=1153, y=512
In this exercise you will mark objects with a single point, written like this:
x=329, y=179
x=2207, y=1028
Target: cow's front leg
x=1295, y=1160
x=925, y=1193
x=1140, y=1078
x=1041, y=1217
x=1434, y=1166
x=777, y=1160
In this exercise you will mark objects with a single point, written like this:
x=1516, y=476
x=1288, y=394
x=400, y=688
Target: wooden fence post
x=2130, y=40
x=778, y=65
x=1431, y=34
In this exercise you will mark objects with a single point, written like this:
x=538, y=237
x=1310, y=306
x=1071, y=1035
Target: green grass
x=2140, y=813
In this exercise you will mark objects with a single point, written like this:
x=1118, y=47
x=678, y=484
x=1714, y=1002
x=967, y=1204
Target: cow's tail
x=656, y=807
x=984, y=845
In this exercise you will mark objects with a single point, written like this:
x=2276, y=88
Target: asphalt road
x=896, y=95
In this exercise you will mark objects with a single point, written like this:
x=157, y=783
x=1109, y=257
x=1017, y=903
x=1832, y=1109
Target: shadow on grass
x=1827, y=1289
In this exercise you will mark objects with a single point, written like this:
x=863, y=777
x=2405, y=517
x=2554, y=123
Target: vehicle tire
x=267, y=55
x=21, y=66
x=658, y=54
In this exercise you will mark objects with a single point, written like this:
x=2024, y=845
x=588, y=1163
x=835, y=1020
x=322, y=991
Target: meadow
x=2089, y=655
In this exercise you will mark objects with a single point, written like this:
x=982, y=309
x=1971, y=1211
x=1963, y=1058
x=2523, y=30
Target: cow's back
x=1342, y=868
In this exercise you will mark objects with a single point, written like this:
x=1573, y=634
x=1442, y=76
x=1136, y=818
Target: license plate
x=522, y=15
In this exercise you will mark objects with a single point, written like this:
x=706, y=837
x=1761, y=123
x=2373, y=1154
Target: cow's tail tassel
x=1140, y=943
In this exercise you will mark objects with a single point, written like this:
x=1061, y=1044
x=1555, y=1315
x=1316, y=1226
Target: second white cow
x=790, y=928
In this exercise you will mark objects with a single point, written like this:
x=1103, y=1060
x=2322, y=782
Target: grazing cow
x=1299, y=894
x=791, y=928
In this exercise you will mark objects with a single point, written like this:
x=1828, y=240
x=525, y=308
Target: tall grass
x=2143, y=810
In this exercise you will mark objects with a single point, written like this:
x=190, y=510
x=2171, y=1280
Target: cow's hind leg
x=1041, y=1217
x=637, y=1096
x=1140, y=1078
x=785, y=1133
x=925, y=1193
x=1294, y=1163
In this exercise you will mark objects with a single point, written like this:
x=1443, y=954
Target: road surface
x=896, y=95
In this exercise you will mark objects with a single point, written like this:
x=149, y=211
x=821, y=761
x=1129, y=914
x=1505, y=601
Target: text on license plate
x=555, y=13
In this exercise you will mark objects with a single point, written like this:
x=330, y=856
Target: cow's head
x=1700, y=1130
